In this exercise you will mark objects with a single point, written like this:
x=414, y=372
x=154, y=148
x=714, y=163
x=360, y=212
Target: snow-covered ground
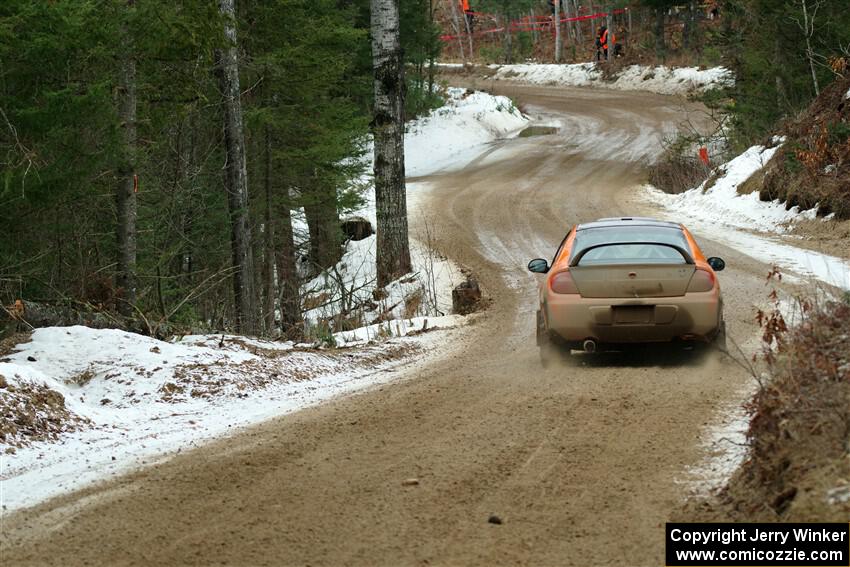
x=725, y=447
x=661, y=80
x=134, y=400
x=717, y=210
x=128, y=400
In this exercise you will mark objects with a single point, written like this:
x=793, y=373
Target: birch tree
x=393, y=250
x=807, y=25
x=236, y=179
x=558, y=39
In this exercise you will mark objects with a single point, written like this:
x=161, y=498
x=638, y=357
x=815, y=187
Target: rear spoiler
x=688, y=258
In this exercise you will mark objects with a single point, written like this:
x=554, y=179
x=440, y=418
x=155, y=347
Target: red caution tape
x=539, y=23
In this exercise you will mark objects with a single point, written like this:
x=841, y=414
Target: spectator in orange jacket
x=468, y=14
x=602, y=40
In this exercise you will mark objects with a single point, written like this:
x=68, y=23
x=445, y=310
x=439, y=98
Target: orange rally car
x=622, y=281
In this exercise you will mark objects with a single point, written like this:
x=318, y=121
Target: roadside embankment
x=797, y=465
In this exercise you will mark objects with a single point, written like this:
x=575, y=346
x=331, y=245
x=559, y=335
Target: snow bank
x=661, y=80
x=719, y=201
x=452, y=135
x=144, y=398
x=748, y=224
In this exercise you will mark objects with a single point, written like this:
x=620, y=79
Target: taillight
x=563, y=283
x=702, y=280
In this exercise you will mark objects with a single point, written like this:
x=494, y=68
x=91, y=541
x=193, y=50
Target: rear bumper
x=694, y=316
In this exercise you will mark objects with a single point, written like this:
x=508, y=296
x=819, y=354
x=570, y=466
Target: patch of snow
x=354, y=279
x=660, y=79
x=805, y=263
x=839, y=494
x=847, y=95
x=140, y=395
x=725, y=447
x=395, y=328
x=452, y=135
x=574, y=75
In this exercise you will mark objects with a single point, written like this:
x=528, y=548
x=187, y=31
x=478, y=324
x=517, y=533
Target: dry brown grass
x=676, y=173
x=412, y=304
x=798, y=467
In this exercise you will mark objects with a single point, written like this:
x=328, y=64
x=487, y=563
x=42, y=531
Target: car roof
x=628, y=221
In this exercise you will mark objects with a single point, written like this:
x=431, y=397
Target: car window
x=632, y=254
x=626, y=253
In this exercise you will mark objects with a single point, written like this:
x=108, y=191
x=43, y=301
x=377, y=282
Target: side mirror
x=717, y=264
x=538, y=266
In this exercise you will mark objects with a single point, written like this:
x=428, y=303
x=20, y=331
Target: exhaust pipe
x=589, y=345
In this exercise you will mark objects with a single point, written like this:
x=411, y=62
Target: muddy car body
x=616, y=282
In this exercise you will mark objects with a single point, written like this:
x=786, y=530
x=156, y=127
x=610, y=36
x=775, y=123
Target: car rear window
x=645, y=252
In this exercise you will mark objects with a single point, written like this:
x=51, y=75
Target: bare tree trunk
x=269, y=264
x=660, y=46
x=190, y=158
x=688, y=30
x=393, y=254
x=431, y=62
x=781, y=91
x=808, y=27
x=507, y=39
x=457, y=28
x=237, y=176
x=287, y=273
x=125, y=192
x=323, y=224
x=468, y=35
x=535, y=35
x=579, y=34
x=558, y=31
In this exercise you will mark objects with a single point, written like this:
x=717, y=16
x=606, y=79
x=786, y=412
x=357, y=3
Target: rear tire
x=549, y=351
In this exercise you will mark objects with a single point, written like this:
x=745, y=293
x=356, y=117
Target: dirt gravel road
x=582, y=463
